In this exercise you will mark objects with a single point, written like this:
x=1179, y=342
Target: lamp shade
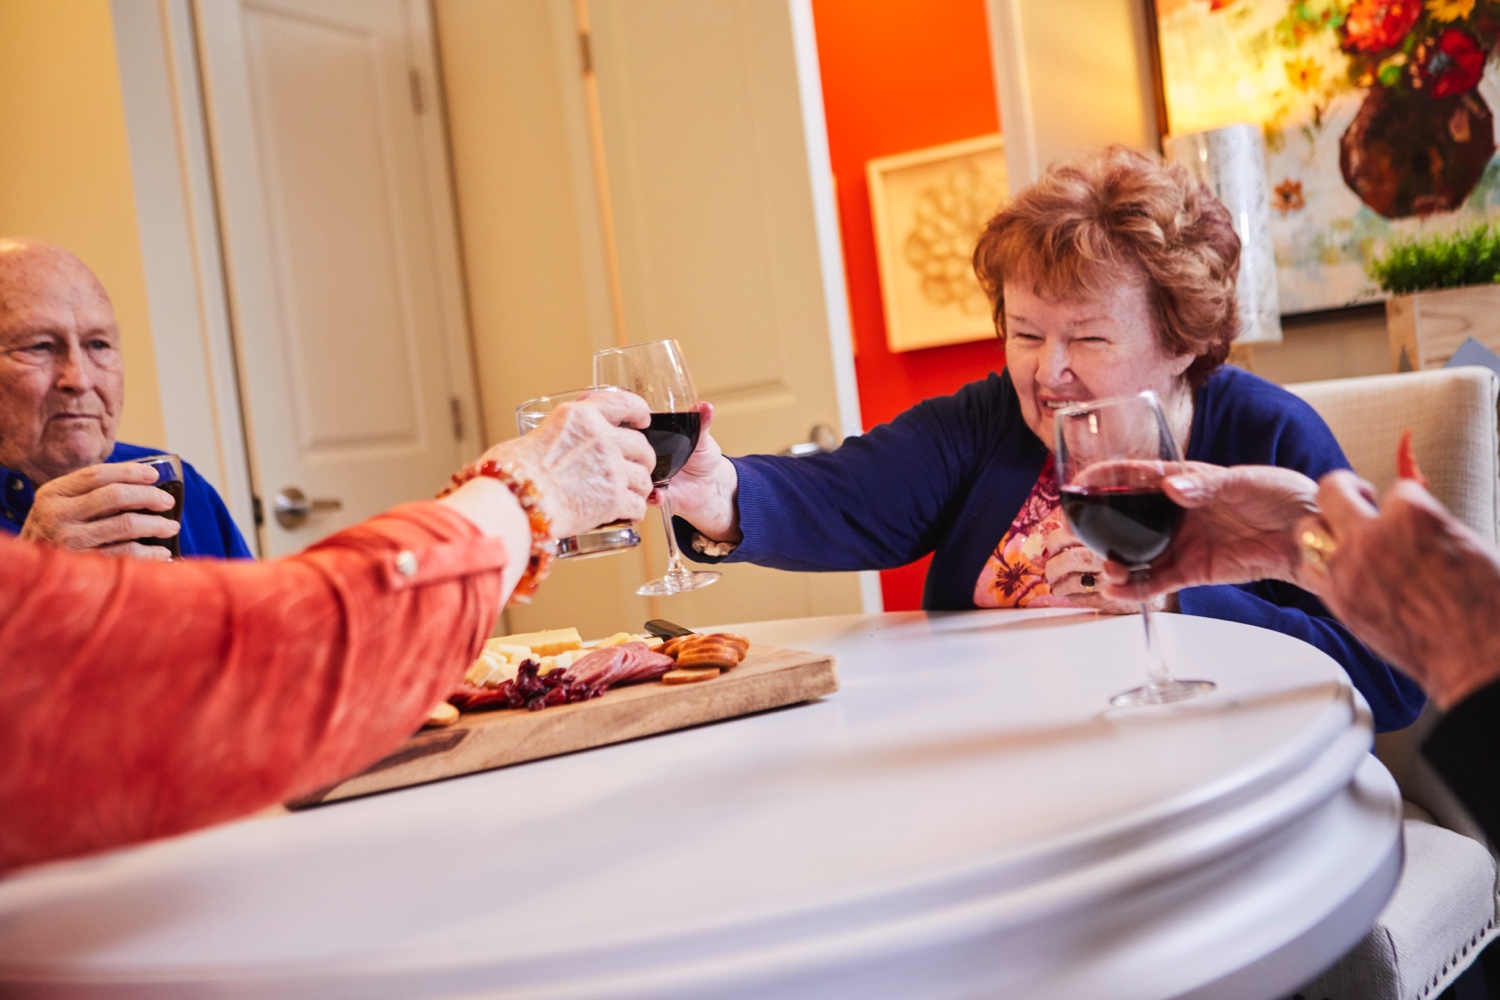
x=1231, y=162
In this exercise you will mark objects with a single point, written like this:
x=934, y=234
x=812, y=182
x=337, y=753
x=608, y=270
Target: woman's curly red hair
x=1122, y=216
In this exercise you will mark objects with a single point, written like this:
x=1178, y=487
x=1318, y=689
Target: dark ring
x=1088, y=581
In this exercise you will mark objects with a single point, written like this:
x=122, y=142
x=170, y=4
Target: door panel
x=708, y=165
x=324, y=153
x=330, y=236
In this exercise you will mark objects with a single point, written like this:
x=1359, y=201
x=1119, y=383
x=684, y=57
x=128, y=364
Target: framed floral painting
x=1378, y=117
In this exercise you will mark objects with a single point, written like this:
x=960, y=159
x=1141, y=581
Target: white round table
x=964, y=818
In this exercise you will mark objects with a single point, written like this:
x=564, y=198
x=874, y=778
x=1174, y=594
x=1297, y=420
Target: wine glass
x=615, y=537
x=658, y=374
x=1111, y=457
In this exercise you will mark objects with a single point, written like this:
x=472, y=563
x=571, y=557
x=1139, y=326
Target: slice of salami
x=588, y=677
x=646, y=666
x=627, y=663
x=593, y=668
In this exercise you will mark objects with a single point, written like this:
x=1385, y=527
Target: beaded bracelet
x=543, y=545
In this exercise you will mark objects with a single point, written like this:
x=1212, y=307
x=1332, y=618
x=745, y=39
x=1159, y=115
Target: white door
x=716, y=158
x=340, y=255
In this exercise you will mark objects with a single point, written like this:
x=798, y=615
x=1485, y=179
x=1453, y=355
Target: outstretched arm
x=141, y=700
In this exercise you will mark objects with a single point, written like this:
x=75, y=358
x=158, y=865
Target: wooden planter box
x=1425, y=329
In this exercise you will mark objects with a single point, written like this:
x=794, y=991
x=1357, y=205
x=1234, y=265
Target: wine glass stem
x=1156, y=667
x=1161, y=677
x=675, y=566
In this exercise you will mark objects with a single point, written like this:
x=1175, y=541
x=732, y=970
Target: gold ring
x=1087, y=579
x=1318, y=547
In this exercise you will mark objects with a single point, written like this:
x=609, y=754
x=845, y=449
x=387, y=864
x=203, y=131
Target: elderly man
x=63, y=478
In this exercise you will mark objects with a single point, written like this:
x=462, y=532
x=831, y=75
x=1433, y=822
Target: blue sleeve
x=207, y=529
x=877, y=502
x=1293, y=437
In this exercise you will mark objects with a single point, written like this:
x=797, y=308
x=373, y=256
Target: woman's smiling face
x=1062, y=353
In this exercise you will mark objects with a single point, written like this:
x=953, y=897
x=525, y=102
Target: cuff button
x=406, y=563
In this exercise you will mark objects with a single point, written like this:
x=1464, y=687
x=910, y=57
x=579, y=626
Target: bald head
x=31, y=267
x=61, y=377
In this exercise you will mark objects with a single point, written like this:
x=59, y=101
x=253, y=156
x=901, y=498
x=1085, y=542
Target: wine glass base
x=599, y=542
x=677, y=583
x=1162, y=694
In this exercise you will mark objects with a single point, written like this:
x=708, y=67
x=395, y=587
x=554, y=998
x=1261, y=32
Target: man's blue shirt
x=207, y=528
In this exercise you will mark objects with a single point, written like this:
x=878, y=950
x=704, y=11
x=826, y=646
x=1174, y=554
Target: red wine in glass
x=1111, y=457
x=673, y=436
x=1129, y=524
x=169, y=480
x=658, y=373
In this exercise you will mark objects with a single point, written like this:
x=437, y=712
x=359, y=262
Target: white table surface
x=966, y=817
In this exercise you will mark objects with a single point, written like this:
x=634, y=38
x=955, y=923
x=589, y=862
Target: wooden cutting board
x=768, y=678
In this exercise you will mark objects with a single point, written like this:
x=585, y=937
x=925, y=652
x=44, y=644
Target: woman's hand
x=1076, y=574
x=1415, y=584
x=1239, y=526
x=588, y=459
x=705, y=490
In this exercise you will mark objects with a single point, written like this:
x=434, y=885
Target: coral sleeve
x=140, y=700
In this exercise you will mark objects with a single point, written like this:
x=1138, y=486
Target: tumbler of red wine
x=168, y=480
x=1111, y=457
x=605, y=539
x=658, y=374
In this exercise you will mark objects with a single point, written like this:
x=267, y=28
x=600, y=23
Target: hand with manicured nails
x=103, y=508
x=1239, y=526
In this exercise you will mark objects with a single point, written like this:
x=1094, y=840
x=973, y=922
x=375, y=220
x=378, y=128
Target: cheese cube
x=549, y=642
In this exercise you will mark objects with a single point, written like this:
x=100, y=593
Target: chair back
x=1452, y=416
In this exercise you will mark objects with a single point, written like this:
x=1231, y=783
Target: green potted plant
x=1445, y=288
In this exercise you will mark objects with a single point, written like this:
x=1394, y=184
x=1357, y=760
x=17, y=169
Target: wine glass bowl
x=658, y=373
x=1112, y=455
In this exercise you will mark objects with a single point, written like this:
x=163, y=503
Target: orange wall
x=899, y=75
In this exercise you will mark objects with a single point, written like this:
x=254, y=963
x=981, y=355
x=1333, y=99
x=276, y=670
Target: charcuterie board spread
x=545, y=694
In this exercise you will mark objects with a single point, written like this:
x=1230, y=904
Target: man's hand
x=1239, y=526
x=101, y=508
x=1416, y=585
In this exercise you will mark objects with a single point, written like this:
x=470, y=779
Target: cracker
x=716, y=656
x=441, y=714
x=689, y=676
x=738, y=641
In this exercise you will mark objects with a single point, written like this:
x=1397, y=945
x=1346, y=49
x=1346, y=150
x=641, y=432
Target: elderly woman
x=1111, y=275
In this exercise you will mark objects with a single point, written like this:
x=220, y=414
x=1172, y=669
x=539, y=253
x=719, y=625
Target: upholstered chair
x=1444, y=909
